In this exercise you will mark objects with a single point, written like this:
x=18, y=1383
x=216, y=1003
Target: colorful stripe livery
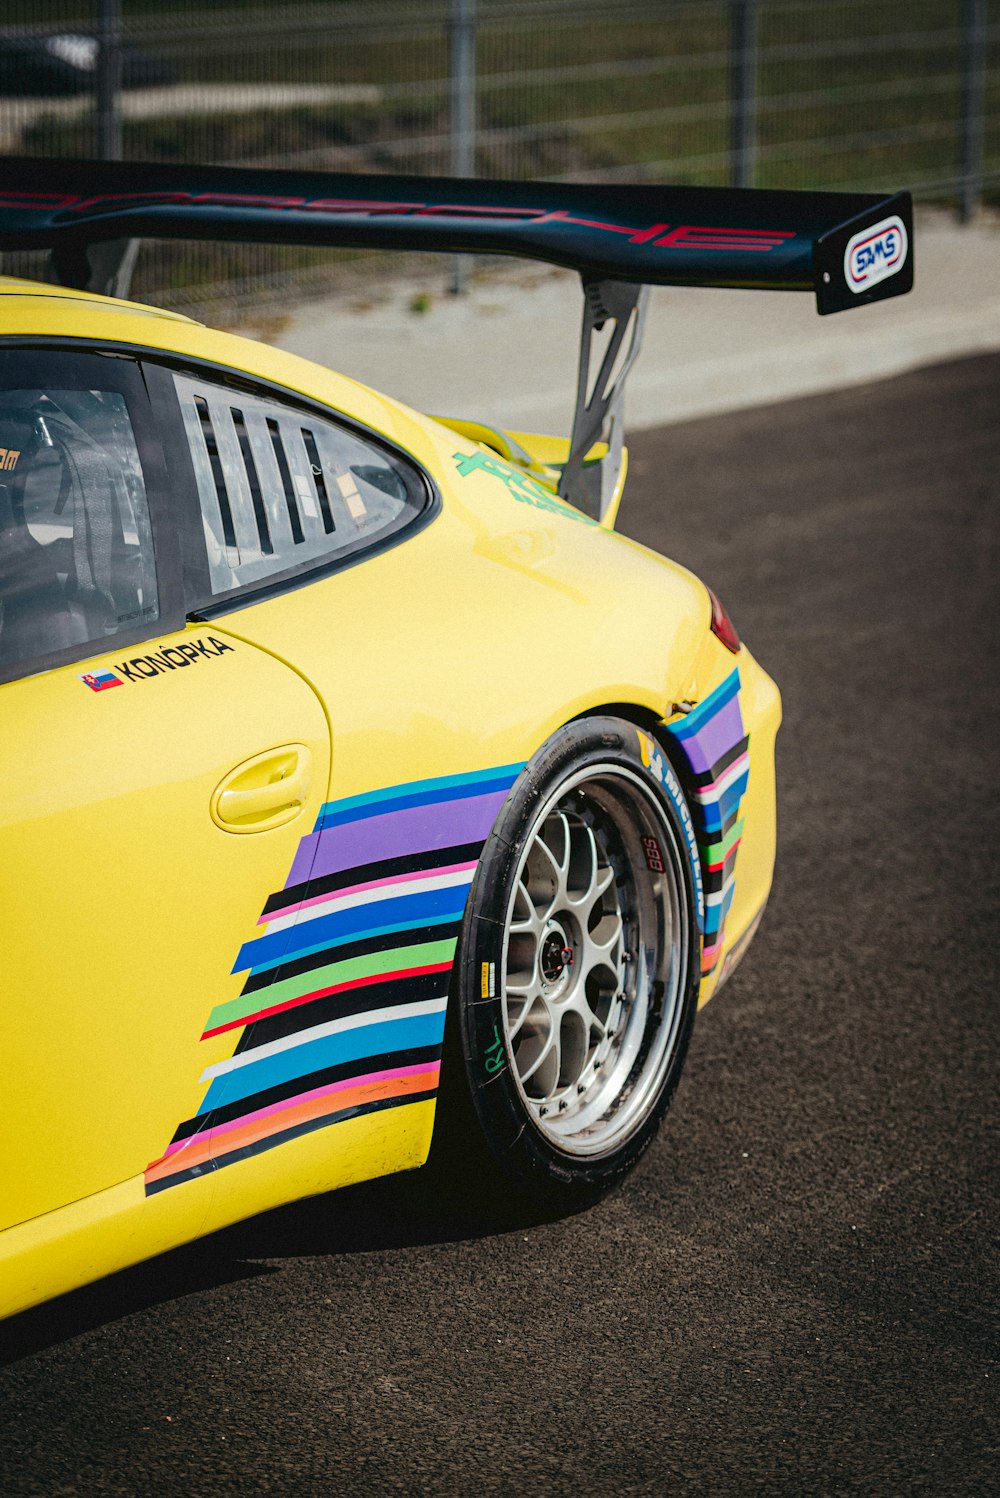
x=716, y=751
x=342, y=1011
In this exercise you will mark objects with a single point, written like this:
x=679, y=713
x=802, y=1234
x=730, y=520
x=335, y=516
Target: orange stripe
x=195, y=1152
x=202, y=1147
x=336, y=1102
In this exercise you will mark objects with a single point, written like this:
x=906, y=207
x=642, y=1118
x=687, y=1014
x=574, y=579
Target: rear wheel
x=578, y=967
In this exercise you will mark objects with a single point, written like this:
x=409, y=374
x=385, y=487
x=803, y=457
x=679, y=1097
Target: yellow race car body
x=323, y=720
x=144, y=929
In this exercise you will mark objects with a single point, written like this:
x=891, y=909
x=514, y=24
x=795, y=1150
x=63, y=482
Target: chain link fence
x=862, y=94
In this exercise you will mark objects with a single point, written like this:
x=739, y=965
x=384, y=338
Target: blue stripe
x=711, y=817
x=716, y=914
x=699, y=716
x=317, y=1055
x=732, y=795
x=709, y=820
x=331, y=946
x=416, y=793
x=715, y=812
x=428, y=908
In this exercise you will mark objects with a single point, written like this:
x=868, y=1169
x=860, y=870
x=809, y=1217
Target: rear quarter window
x=281, y=487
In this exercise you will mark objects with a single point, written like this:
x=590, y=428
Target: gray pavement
x=506, y=352
x=796, y=1293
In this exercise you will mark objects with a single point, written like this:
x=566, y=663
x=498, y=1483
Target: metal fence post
x=742, y=91
x=973, y=65
x=109, y=80
x=462, y=29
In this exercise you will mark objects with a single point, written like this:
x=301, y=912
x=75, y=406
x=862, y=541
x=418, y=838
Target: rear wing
x=846, y=248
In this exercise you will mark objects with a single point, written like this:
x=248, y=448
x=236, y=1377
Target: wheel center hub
x=556, y=956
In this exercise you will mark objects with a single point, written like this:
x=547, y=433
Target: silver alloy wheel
x=595, y=959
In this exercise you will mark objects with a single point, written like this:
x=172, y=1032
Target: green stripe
x=713, y=852
x=426, y=954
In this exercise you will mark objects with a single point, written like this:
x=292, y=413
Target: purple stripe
x=418, y=829
x=710, y=743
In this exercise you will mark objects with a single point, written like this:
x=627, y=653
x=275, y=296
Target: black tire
x=563, y=1054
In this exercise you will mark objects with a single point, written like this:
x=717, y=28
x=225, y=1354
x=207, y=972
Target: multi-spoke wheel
x=579, y=963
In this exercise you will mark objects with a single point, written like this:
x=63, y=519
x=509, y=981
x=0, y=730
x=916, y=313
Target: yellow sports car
x=391, y=722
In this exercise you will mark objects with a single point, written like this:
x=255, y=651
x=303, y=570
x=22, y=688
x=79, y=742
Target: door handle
x=264, y=792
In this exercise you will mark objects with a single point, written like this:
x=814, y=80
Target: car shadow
x=394, y=1212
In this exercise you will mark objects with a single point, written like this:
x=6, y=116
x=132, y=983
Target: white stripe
x=721, y=894
x=319, y=1032
x=368, y=897
x=736, y=769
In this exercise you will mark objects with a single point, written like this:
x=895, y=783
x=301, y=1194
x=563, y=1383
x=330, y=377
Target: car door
x=159, y=776
x=341, y=1015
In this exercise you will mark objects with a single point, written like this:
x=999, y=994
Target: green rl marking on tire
x=496, y=1057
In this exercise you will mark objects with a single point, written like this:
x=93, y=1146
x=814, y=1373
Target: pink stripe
x=332, y=1087
x=180, y=1144
x=744, y=759
x=353, y=889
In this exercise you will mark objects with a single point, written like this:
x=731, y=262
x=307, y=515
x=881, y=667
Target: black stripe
x=706, y=835
x=411, y=937
x=345, y=1069
x=716, y=878
x=722, y=763
x=218, y=475
x=247, y=1151
x=285, y=473
x=363, y=873
x=338, y=1005
x=312, y=453
x=253, y=479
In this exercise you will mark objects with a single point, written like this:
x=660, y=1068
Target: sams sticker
x=875, y=254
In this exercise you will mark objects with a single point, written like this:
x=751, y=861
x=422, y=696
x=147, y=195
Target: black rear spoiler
x=669, y=236
x=847, y=248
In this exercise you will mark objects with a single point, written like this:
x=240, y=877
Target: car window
x=76, y=551
x=280, y=486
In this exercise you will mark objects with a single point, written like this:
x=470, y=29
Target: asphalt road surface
x=794, y=1294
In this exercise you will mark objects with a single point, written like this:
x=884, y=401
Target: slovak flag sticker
x=99, y=681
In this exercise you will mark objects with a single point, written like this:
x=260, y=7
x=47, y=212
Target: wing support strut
x=600, y=396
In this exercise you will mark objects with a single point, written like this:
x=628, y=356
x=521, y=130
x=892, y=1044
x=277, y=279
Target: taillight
x=722, y=626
